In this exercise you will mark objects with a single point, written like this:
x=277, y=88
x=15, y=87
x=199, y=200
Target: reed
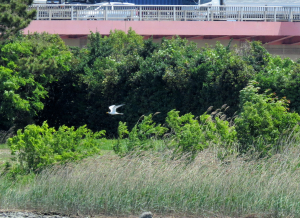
x=235, y=187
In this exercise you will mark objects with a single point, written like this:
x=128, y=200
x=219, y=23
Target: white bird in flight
x=113, y=109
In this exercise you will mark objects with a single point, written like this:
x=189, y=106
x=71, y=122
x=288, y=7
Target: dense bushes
x=149, y=77
x=263, y=120
x=282, y=76
x=42, y=79
x=185, y=134
x=140, y=137
x=264, y=117
x=39, y=146
x=28, y=65
x=75, y=87
x=195, y=134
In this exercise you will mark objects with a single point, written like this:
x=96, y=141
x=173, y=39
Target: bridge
x=278, y=28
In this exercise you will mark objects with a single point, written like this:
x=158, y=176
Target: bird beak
x=107, y=112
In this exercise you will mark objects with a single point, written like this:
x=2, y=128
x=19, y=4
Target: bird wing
x=112, y=108
x=119, y=106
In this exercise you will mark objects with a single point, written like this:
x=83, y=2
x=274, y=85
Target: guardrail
x=169, y=12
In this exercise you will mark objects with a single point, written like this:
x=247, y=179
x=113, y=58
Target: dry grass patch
x=5, y=155
x=207, y=187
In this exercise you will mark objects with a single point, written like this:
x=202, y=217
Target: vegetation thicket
x=44, y=80
x=233, y=104
x=28, y=65
x=40, y=146
x=14, y=16
x=207, y=187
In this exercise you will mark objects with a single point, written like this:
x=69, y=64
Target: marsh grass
x=106, y=144
x=110, y=185
x=5, y=154
x=4, y=146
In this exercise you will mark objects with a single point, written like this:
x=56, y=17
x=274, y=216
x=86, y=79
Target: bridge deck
x=267, y=32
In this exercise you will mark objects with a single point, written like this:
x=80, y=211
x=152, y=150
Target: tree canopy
x=14, y=16
x=43, y=79
x=27, y=65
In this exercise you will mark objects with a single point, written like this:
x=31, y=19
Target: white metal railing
x=167, y=12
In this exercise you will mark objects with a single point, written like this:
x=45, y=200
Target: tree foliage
x=175, y=75
x=14, y=16
x=140, y=137
x=43, y=79
x=40, y=146
x=150, y=77
x=195, y=134
x=28, y=65
x=264, y=117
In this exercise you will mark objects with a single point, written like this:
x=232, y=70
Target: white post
x=291, y=15
x=72, y=12
x=242, y=14
x=275, y=14
x=208, y=14
x=38, y=12
x=77, y=11
x=140, y=13
x=174, y=13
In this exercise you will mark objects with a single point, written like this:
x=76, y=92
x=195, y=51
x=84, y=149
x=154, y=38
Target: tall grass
x=205, y=187
x=4, y=135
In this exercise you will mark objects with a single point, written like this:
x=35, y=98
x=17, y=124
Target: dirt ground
x=37, y=214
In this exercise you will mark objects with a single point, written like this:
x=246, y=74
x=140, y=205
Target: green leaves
x=263, y=117
x=28, y=64
x=186, y=134
x=42, y=79
x=42, y=54
x=139, y=137
x=193, y=135
x=14, y=16
x=39, y=146
x=10, y=99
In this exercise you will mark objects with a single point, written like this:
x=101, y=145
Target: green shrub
x=187, y=134
x=39, y=146
x=28, y=67
x=145, y=75
x=192, y=134
x=119, y=147
x=283, y=77
x=140, y=136
x=263, y=117
x=255, y=55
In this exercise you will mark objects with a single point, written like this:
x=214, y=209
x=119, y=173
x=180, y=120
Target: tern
x=113, y=109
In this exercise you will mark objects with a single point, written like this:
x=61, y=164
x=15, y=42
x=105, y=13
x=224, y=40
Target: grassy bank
x=110, y=185
x=4, y=154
